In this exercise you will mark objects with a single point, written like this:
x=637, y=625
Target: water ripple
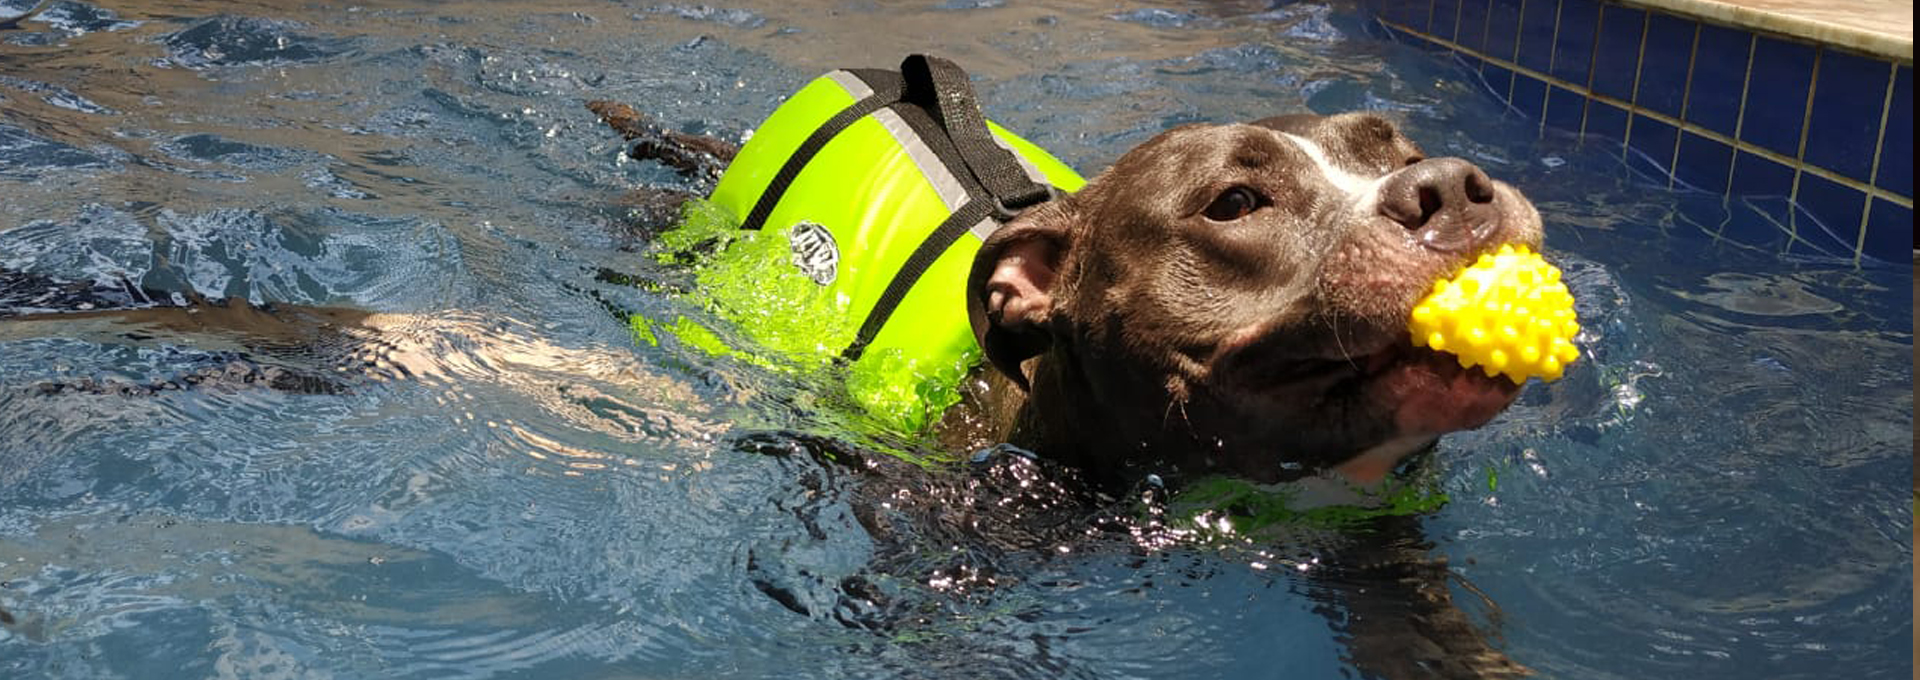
x=29, y=157
x=57, y=96
x=408, y=434
x=79, y=18
x=736, y=18
x=249, y=41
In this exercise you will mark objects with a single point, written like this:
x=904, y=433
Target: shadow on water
x=399, y=218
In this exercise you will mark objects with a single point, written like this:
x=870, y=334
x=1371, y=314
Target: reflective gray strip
x=851, y=83
x=985, y=228
x=944, y=183
x=1033, y=171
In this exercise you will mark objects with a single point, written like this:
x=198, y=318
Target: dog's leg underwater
x=696, y=157
x=1395, y=608
x=244, y=336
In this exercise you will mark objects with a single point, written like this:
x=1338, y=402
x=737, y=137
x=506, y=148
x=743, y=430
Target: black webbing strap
x=942, y=89
x=888, y=88
x=917, y=263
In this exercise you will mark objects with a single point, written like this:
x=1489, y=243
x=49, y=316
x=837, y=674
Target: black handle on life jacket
x=941, y=88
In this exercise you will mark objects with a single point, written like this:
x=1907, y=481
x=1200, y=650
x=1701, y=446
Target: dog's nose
x=1446, y=202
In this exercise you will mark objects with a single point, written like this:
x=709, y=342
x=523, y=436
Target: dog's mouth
x=1423, y=391
x=1430, y=392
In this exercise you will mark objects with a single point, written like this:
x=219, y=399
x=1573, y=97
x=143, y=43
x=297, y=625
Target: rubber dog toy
x=1508, y=314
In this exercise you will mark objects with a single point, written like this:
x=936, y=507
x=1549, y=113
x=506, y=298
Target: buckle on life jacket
x=1006, y=208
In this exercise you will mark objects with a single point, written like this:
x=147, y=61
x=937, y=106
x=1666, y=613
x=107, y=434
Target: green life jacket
x=850, y=221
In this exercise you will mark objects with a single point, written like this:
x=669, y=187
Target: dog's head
x=1241, y=292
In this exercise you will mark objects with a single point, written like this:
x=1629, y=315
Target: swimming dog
x=1227, y=298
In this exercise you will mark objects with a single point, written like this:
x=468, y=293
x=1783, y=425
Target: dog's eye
x=1233, y=204
x=1414, y=159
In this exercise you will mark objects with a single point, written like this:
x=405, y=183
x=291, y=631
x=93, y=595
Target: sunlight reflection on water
x=473, y=470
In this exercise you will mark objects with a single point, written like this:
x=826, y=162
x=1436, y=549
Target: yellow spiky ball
x=1508, y=314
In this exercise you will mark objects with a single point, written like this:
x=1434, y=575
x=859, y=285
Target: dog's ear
x=1010, y=292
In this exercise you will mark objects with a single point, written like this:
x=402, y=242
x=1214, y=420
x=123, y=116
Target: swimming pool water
x=503, y=483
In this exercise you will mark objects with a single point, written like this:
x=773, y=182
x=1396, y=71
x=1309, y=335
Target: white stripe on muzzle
x=1363, y=190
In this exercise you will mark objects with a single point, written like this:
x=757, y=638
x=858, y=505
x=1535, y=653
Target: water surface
x=508, y=485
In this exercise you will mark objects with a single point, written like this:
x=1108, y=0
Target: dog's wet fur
x=1222, y=299
x=1235, y=298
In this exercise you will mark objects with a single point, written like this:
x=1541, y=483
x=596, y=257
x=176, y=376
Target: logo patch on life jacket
x=814, y=252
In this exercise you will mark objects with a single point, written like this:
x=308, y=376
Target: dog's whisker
x=1338, y=343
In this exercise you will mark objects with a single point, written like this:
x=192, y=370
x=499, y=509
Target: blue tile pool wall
x=1701, y=106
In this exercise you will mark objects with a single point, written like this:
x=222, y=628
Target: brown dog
x=1223, y=298
x=1235, y=298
